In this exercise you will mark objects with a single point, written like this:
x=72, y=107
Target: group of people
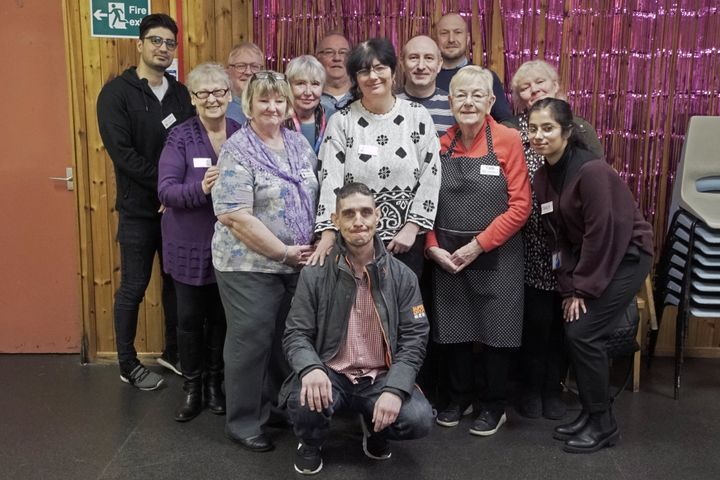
x=299, y=216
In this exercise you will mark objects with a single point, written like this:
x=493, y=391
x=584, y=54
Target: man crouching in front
x=355, y=339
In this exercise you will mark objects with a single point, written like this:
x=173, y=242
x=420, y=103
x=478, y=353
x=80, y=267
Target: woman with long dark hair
x=601, y=250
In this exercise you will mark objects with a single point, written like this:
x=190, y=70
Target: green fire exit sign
x=117, y=19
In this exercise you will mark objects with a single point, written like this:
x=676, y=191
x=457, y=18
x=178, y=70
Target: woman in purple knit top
x=601, y=250
x=187, y=173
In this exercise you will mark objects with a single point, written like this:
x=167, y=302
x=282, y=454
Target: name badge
x=202, y=162
x=368, y=150
x=493, y=170
x=168, y=121
x=307, y=173
x=546, y=208
x=556, y=263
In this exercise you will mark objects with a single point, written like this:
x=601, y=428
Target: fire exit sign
x=117, y=19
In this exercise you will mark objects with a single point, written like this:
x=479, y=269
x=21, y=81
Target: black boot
x=191, y=405
x=599, y=432
x=190, y=350
x=214, y=396
x=567, y=430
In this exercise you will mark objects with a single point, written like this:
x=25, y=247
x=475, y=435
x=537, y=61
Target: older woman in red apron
x=478, y=251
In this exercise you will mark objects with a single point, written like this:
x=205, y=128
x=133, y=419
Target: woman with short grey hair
x=187, y=172
x=306, y=77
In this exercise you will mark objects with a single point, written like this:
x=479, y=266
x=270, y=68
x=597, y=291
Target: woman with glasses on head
x=543, y=349
x=478, y=251
x=187, y=172
x=264, y=198
x=306, y=77
x=390, y=145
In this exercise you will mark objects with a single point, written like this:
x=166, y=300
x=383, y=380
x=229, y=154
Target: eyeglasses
x=476, y=97
x=268, y=75
x=158, y=41
x=329, y=52
x=219, y=93
x=243, y=67
x=378, y=69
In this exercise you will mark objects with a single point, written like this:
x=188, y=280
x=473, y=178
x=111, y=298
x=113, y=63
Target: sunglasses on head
x=268, y=75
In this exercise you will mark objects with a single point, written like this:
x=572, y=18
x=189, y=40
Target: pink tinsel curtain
x=636, y=69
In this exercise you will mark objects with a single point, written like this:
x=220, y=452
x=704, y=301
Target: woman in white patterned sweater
x=390, y=145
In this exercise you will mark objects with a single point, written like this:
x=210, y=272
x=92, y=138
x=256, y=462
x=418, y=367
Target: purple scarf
x=299, y=207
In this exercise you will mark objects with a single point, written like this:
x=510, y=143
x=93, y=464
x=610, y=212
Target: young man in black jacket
x=355, y=338
x=135, y=112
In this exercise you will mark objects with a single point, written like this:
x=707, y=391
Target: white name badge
x=168, y=121
x=202, y=162
x=307, y=173
x=493, y=170
x=368, y=150
x=546, y=208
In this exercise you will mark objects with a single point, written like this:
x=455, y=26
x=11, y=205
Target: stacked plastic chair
x=688, y=274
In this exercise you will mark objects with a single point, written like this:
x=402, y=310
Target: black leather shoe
x=600, y=431
x=567, y=430
x=258, y=443
x=191, y=405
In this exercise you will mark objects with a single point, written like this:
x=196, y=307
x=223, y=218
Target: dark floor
x=59, y=419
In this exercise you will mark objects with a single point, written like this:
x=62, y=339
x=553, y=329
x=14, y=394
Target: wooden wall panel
x=209, y=29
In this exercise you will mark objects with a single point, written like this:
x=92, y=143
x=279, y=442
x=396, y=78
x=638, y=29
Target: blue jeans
x=139, y=240
x=414, y=420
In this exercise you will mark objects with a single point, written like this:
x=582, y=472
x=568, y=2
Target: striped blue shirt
x=438, y=107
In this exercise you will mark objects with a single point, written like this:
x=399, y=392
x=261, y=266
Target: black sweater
x=594, y=223
x=130, y=118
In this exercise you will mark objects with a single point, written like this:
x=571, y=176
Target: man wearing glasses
x=332, y=52
x=245, y=59
x=135, y=111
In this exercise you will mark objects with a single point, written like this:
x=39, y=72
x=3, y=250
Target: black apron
x=484, y=302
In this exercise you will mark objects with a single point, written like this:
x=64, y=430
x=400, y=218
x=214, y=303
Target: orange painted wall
x=39, y=288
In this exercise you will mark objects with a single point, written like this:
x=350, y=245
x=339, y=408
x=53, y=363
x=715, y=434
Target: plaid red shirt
x=363, y=352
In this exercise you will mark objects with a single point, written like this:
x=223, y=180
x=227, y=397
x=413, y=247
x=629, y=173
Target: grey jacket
x=318, y=320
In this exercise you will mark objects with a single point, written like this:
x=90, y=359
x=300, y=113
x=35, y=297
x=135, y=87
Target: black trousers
x=201, y=329
x=587, y=336
x=140, y=240
x=462, y=369
x=543, y=343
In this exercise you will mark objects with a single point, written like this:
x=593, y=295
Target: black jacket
x=130, y=118
x=317, y=324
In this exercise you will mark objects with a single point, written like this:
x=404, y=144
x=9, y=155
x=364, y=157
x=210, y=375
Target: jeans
x=139, y=241
x=414, y=420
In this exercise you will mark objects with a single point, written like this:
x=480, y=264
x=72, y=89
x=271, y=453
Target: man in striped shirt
x=421, y=60
x=355, y=338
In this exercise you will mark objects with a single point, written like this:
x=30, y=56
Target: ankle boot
x=191, y=405
x=599, y=432
x=214, y=396
x=567, y=430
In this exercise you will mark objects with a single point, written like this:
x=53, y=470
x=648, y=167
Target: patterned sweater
x=395, y=154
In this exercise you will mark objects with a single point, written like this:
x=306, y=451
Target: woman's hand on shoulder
x=323, y=247
x=404, y=239
x=211, y=176
x=442, y=258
